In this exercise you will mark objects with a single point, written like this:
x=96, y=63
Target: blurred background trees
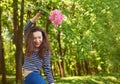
x=87, y=42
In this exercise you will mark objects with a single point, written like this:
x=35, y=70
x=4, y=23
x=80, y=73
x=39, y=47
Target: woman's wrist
x=33, y=20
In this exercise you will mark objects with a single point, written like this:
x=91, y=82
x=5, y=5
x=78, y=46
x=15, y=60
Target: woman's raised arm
x=32, y=21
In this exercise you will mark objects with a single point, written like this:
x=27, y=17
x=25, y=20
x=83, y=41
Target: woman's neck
x=36, y=49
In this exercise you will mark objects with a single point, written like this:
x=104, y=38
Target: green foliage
x=90, y=32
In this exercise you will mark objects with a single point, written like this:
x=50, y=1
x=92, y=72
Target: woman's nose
x=37, y=40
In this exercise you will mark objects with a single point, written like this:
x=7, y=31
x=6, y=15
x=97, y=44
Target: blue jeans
x=34, y=78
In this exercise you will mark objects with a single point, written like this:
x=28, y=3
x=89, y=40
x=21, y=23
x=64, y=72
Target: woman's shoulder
x=47, y=53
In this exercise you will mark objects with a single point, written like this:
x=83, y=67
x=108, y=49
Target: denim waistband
x=32, y=73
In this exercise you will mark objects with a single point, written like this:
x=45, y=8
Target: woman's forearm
x=33, y=20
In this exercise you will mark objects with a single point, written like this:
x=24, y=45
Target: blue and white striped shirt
x=34, y=63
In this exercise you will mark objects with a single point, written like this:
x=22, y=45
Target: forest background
x=86, y=44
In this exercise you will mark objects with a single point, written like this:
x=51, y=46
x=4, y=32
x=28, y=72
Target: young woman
x=37, y=51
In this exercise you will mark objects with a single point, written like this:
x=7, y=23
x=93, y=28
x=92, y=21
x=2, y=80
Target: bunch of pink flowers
x=56, y=17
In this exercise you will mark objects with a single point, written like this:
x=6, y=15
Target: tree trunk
x=18, y=40
x=21, y=28
x=78, y=68
x=47, y=26
x=87, y=67
x=21, y=41
x=61, y=63
x=2, y=60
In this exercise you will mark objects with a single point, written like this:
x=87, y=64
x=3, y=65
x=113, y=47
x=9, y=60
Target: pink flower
x=56, y=17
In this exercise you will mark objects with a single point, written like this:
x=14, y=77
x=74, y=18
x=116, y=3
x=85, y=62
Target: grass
x=106, y=79
x=88, y=80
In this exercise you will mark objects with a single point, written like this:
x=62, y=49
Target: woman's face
x=37, y=39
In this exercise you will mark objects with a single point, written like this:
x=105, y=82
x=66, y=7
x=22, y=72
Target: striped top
x=34, y=63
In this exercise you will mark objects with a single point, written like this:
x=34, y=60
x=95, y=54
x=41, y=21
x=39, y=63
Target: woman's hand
x=33, y=20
